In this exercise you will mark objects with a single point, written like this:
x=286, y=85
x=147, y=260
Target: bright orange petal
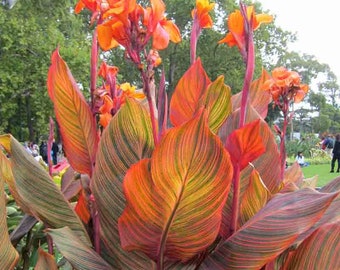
x=104, y=119
x=160, y=38
x=107, y=106
x=157, y=13
x=105, y=39
x=202, y=10
x=172, y=30
x=262, y=18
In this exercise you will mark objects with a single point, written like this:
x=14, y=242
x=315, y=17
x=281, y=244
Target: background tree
x=30, y=31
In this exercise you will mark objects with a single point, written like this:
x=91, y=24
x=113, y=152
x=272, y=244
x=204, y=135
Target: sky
x=316, y=24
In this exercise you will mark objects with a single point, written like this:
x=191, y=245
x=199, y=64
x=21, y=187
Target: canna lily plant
x=198, y=184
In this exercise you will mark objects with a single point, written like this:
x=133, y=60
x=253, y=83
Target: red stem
x=151, y=107
x=283, y=138
x=250, y=65
x=195, y=32
x=93, y=68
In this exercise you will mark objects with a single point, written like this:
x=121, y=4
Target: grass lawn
x=322, y=170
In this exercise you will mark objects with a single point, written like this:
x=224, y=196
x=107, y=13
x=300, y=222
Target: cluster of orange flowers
x=285, y=85
x=236, y=26
x=109, y=102
x=128, y=24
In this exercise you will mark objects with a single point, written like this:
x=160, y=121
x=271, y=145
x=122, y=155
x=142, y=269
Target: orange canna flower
x=107, y=105
x=161, y=29
x=91, y=5
x=286, y=84
x=203, y=7
x=106, y=69
x=130, y=91
x=104, y=119
x=236, y=36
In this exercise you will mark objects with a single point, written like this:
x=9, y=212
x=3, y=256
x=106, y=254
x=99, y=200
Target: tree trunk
x=29, y=118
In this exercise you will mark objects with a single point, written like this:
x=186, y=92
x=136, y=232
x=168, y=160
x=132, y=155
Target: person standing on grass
x=336, y=153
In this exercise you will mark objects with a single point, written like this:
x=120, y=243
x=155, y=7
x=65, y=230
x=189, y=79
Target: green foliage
x=29, y=32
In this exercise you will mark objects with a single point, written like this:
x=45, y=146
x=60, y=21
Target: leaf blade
x=77, y=125
x=170, y=214
x=125, y=141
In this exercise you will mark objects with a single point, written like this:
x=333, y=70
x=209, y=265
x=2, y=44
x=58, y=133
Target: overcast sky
x=317, y=24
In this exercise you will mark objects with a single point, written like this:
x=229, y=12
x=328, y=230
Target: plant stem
x=146, y=83
x=283, y=138
x=195, y=32
x=93, y=68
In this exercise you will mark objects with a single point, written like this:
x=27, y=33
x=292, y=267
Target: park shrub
x=207, y=191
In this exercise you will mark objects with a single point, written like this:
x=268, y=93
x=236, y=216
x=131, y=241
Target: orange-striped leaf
x=125, y=141
x=271, y=231
x=293, y=174
x=82, y=209
x=254, y=198
x=319, y=251
x=8, y=254
x=189, y=90
x=38, y=192
x=332, y=213
x=217, y=101
x=75, y=119
x=245, y=144
x=269, y=159
x=45, y=261
x=73, y=249
x=175, y=199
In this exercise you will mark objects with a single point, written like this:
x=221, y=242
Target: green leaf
x=38, y=192
x=73, y=249
x=125, y=141
x=217, y=101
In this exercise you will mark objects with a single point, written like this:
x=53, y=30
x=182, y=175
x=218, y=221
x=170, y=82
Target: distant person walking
x=55, y=151
x=336, y=154
x=328, y=144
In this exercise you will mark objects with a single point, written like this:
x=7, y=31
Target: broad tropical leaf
x=293, y=174
x=258, y=98
x=319, y=251
x=271, y=231
x=45, y=261
x=189, y=90
x=254, y=198
x=25, y=225
x=76, y=122
x=217, y=100
x=38, y=192
x=332, y=213
x=73, y=249
x=8, y=255
x=125, y=141
x=175, y=199
x=245, y=144
x=269, y=159
x=7, y=174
